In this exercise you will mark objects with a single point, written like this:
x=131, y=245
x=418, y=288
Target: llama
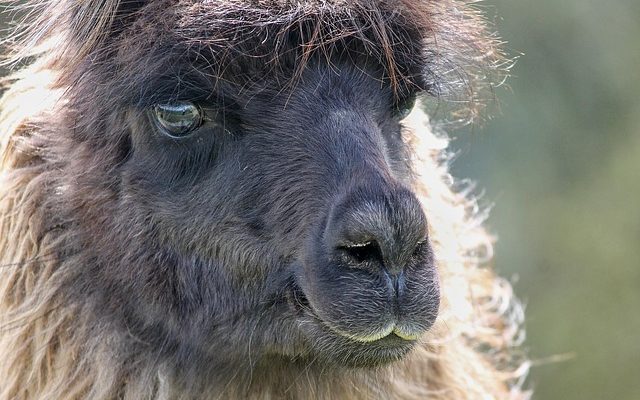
x=244, y=199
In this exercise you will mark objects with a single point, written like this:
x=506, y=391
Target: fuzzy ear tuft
x=81, y=26
x=93, y=21
x=464, y=57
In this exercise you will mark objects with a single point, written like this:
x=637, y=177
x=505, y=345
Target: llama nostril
x=362, y=253
x=376, y=227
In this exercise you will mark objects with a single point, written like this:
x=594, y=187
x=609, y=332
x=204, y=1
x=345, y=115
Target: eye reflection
x=177, y=119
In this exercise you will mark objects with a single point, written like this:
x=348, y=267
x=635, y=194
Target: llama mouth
x=299, y=302
x=375, y=349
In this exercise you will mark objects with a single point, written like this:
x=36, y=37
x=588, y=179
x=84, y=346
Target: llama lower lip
x=391, y=331
x=360, y=354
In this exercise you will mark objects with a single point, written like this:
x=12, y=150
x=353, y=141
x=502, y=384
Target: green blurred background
x=561, y=164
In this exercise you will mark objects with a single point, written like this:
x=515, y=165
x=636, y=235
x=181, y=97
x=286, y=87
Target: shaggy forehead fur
x=441, y=46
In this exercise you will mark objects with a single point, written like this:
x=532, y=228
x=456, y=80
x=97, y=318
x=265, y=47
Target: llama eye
x=403, y=109
x=177, y=119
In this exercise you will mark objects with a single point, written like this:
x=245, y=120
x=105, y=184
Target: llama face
x=291, y=206
x=256, y=214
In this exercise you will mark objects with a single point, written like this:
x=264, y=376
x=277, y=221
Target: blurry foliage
x=561, y=162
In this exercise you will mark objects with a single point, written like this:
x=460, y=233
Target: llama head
x=236, y=174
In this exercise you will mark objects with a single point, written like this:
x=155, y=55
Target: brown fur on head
x=138, y=265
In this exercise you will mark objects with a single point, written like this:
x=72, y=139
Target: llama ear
x=463, y=58
x=85, y=24
x=91, y=22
